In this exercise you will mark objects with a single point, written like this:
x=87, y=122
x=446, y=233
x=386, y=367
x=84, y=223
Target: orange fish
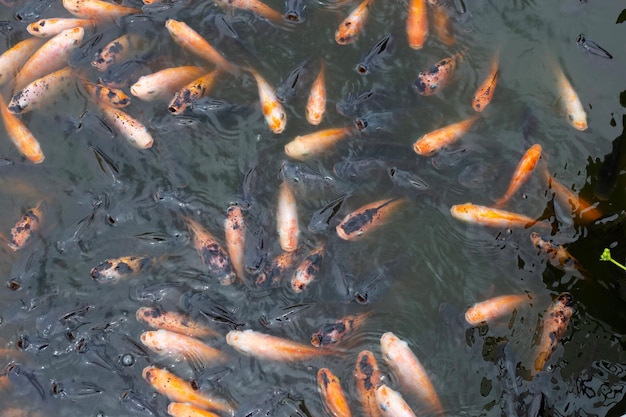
x=255, y=6
x=198, y=88
x=488, y=216
x=172, y=321
x=180, y=346
x=179, y=390
x=442, y=25
x=522, y=172
x=417, y=24
x=274, y=271
x=187, y=410
x=316, y=104
x=576, y=115
x=24, y=229
x=272, y=109
x=52, y=56
x=45, y=28
x=112, y=270
x=97, y=9
x=130, y=128
x=212, y=253
x=484, y=92
x=352, y=26
x=191, y=40
x=308, y=269
x=335, y=332
x=440, y=138
x=13, y=59
x=436, y=77
x=554, y=325
x=494, y=308
x=391, y=403
x=235, y=233
x=287, y=219
x=111, y=97
x=367, y=377
x=164, y=83
x=42, y=91
x=333, y=396
x=20, y=135
x=273, y=348
x=409, y=371
x=304, y=147
x=363, y=220
x=117, y=51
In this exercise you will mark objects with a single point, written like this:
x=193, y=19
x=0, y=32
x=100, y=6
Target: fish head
x=578, y=120
x=386, y=342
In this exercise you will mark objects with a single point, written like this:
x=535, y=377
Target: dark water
x=79, y=349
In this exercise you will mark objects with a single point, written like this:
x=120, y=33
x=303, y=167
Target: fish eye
x=570, y=117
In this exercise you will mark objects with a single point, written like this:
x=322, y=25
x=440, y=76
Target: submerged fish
x=591, y=47
x=430, y=81
x=335, y=332
x=188, y=410
x=576, y=115
x=554, y=325
x=316, y=104
x=308, y=269
x=196, y=89
x=117, y=51
x=417, y=24
x=440, y=138
x=112, y=270
x=391, y=403
x=522, y=173
x=235, y=236
x=494, y=308
x=268, y=347
x=363, y=220
x=97, y=9
x=24, y=229
x=333, y=396
x=484, y=92
x=287, y=225
x=352, y=25
x=375, y=58
x=172, y=321
x=13, y=59
x=367, y=380
x=557, y=254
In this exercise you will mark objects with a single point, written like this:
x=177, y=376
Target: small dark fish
x=158, y=291
x=295, y=10
x=122, y=75
x=375, y=59
x=282, y=316
x=322, y=218
x=306, y=182
x=375, y=122
x=276, y=403
x=360, y=169
x=32, y=10
x=73, y=389
x=289, y=88
x=208, y=105
x=407, y=179
x=135, y=402
x=19, y=374
x=378, y=282
x=354, y=106
x=591, y=47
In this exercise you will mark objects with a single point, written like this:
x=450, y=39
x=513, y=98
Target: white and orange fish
x=409, y=370
x=186, y=409
x=20, y=135
x=179, y=346
x=14, y=58
x=255, y=6
x=45, y=28
x=98, y=10
x=42, y=91
x=117, y=51
x=196, y=89
x=494, y=308
x=51, y=56
x=111, y=97
x=287, y=219
x=273, y=348
x=308, y=269
x=367, y=379
x=371, y=216
x=178, y=390
x=433, y=79
x=316, y=104
x=112, y=270
x=235, y=234
x=438, y=139
x=484, y=92
x=164, y=83
x=417, y=24
x=489, y=216
x=576, y=115
x=391, y=403
x=304, y=147
x=135, y=132
x=352, y=25
x=273, y=111
x=522, y=172
x=173, y=321
x=193, y=42
x=26, y=227
x=554, y=325
x=333, y=397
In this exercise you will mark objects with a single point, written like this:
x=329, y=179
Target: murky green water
x=420, y=271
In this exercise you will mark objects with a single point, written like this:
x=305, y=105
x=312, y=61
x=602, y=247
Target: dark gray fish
x=138, y=403
x=208, y=105
x=33, y=10
x=406, y=179
x=122, y=75
x=375, y=122
x=295, y=10
x=305, y=181
x=157, y=292
x=323, y=219
x=448, y=158
x=295, y=81
x=477, y=175
x=276, y=403
x=375, y=58
x=25, y=380
x=360, y=169
x=74, y=390
x=592, y=48
x=357, y=105
x=83, y=55
x=282, y=316
x=377, y=283
x=32, y=343
x=258, y=244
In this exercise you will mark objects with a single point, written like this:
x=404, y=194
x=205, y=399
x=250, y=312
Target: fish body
x=188, y=410
x=273, y=111
x=179, y=346
x=484, y=92
x=391, y=403
x=164, y=83
x=409, y=370
x=333, y=396
x=274, y=271
x=196, y=89
x=273, y=348
x=554, y=325
x=45, y=28
x=287, y=219
x=50, y=57
x=235, y=234
x=112, y=270
x=363, y=220
x=335, y=332
x=42, y=91
x=97, y=9
x=367, y=380
x=417, y=24
x=442, y=25
x=522, y=172
x=576, y=115
x=566, y=197
x=20, y=135
x=172, y=321
x=376, y=57
x=111, y=97
x=488, y=216
x=130, y=128
x=256, y=7
x=440, y=138
x=429, y=82
x=24, y=229
x=557, y=254
x=13, y=59
x=213, y=255
x=494, y=308
x=352, y=25
x=308, y=269
x=116, y=51
x=316, y=104
x=591, y=47
x=304, y=147
x=178, y=390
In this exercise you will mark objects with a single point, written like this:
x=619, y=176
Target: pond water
x=73, y=344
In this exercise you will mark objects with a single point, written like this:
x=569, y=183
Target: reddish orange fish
x=188, y=410
x=417, y=24
x=489, y=216
x=367, y=377
x=28, y=225
x=352, y=26
x=178, y=390
x=273, y=348
x=436, y=77
x=363, y=220
x=522, y=172
x=198, y=88
x=494, y=308
x=235, y=233
x=20, y=135
x=335, y=332
x=442, y=25
x=304, y=147
x=438, y=139
x=484, y=92
x=287, y=219
x=316, y=104
x=172, y=321
x=333, y=396
x=554, y=325
x=308, y=269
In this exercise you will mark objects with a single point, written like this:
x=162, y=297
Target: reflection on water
x=73, y=344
